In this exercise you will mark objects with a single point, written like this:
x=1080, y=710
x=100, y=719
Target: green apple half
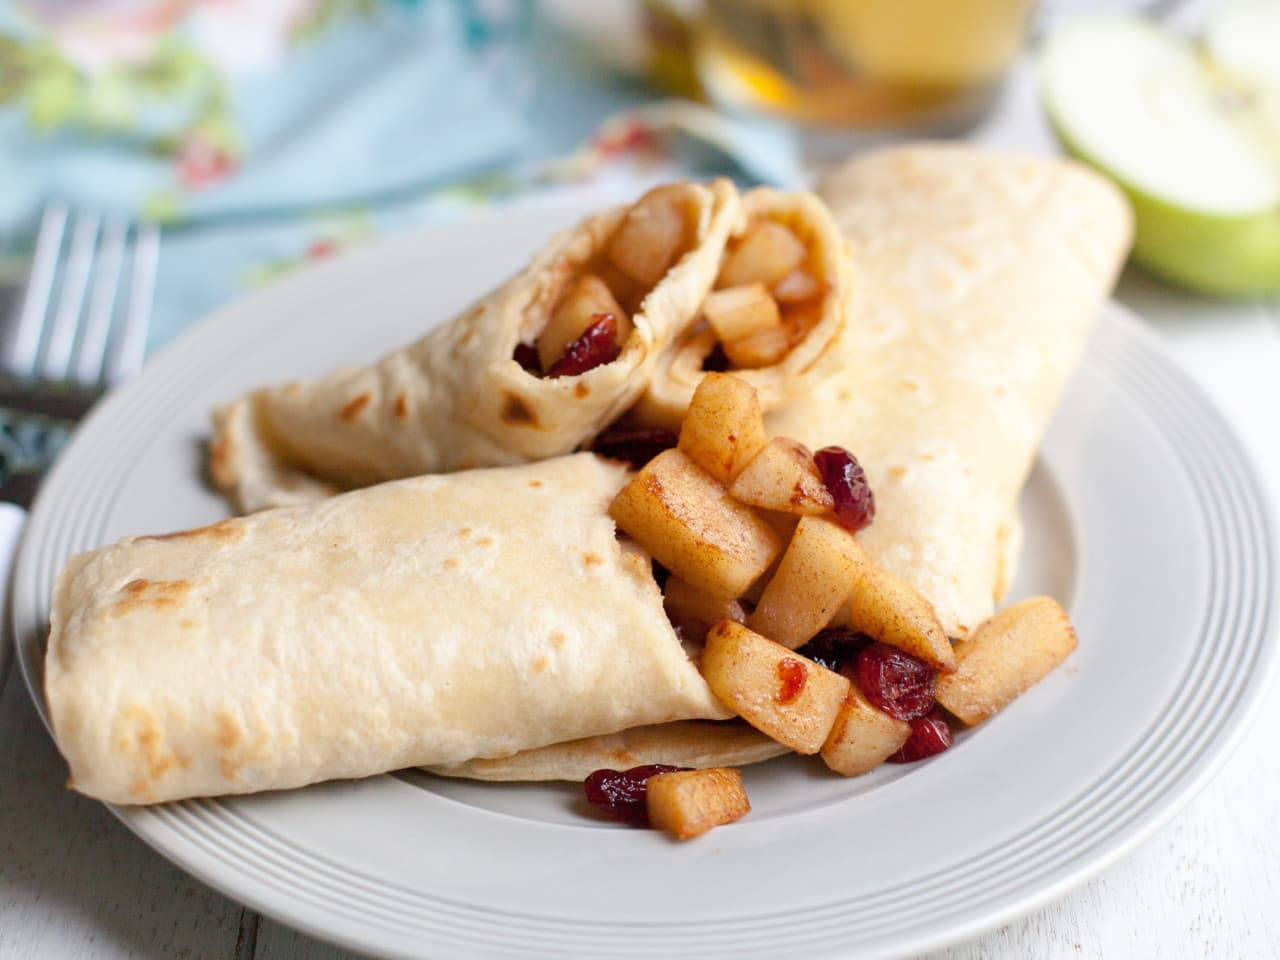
x=1192, y=136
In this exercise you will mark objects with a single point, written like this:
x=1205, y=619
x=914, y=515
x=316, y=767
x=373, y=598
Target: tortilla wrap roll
x=812, y=320
x=984, y=274
x=980, y=277
x=459, y=397
x=682, y=743
x=427, y=621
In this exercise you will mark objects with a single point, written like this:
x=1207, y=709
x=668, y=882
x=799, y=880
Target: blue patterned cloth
x=266, y=133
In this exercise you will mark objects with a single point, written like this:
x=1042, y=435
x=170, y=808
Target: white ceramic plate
x=1142, y=516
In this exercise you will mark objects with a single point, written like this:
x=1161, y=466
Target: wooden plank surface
x=74, y=883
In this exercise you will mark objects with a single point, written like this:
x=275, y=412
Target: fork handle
x=12, y=520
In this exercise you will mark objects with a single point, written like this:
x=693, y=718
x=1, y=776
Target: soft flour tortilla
x=427, y=621
x=983, y=275
x=980, y=276
x=679, y=371
x=684, y=743
x=455, y=399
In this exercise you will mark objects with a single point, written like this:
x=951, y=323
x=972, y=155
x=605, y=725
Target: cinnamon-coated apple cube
x=765, y=254
x=782, y=694
x=884, y=607
x=724, y=426
x=760, y=348
x=582, y=303
x=688, y=803
x=737, y=312
x=690, y=524
x=695, y=610
x=862, y=737
x=1007, y=654
x=783, y=477
x=812, y=582
x=797, y=285
x=652, y=234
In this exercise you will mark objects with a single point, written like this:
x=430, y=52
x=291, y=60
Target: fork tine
x=75, y=280
x=91, y=360
x=25, y=345
x=133, y=339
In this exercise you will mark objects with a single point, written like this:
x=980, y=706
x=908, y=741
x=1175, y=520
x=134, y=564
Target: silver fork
x=76, y=334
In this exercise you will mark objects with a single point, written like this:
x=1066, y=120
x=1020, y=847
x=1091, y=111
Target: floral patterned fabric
x=266, y=133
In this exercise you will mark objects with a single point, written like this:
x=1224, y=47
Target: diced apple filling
x=686, y=519
x=780, y=693
x=1007, y=655
x=586, y=299
x=653, y=235
x=688, y=803
x=767, y=252
x=812, y=582
x=767, y=291
x=718, y=509
x=723, y=429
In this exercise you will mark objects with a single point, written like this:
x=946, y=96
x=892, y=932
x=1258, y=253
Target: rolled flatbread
x=815, y=324
x=427, y=621
x=980, y=276
x=983, y=275
x=684, y=743
x=458, y=398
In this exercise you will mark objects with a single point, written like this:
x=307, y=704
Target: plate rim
x=1154, y=814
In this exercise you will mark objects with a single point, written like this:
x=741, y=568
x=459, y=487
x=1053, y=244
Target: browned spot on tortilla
x=536, y=484
x=558, y=639
x=139, y=594
x=353, y=408
x=228, y=733
x=898, y=471
x=466, y=338
x=1001, y=391
x=580, y=390
x=484, y=541
x=402, y=406
x=592, y=559
x=540, y=663
x=517, y=413
x=479, y=310
x=142, y=744
x=464, y=532
x=962, y=630
x=451, y=563
x=928, y=457
x=187, y=624
x=909, y=385
x=229, y=530
x=227, y=737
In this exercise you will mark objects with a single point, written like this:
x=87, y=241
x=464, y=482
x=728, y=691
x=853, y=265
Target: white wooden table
x=74, y=883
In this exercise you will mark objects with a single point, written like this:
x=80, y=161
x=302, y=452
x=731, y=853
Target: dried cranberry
x=527, y=356
x=836, y=648
x=846, y=481
x=895, y=682
x=597, y=345
x=792, y=675
x=634, y=445
x=930, y=734
x=620, y=794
